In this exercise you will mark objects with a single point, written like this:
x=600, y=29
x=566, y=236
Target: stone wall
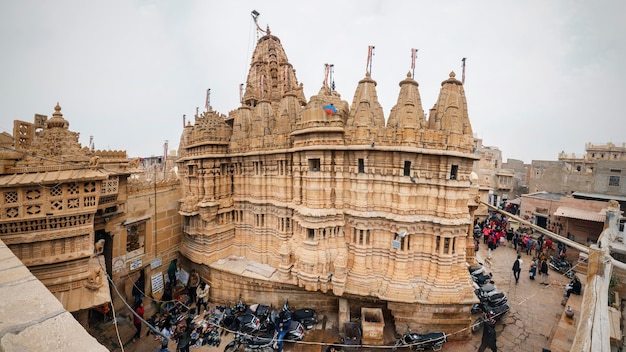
x=33, y=319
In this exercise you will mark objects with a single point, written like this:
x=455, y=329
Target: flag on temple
x=330, y=109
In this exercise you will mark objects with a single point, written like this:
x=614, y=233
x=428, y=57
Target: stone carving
x=134, y=163
x=99, y=247
x=94, y=280
x=94, y=161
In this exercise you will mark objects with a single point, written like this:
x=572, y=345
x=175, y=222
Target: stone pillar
x=344, y=314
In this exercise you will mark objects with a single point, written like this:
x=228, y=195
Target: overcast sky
x=541, y=76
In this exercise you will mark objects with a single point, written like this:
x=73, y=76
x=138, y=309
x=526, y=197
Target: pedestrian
x=138, y=314
x=573, y=287
x=543, y=271
x=489, y=334
x=202, y=292
x=533, y=268
x=166, y=298
x=171, y=271
x=538, y=246
x=192, y=285
x=166, y=334
x=138, y=289
x=530, y=245
x=183, y=338
x=517, y=267
x=548, y=246
x=333, y=348
x=283, y=321
x=491, y=245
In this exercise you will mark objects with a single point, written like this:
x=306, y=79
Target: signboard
x=156, y=263
x=118, y=263
x=135, y=264
x=157, y=282
x=183, y=276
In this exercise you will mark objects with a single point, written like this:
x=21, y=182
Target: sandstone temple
x=55, y=198
x=329, y=202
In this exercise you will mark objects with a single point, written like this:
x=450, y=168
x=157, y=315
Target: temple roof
x=271, y=75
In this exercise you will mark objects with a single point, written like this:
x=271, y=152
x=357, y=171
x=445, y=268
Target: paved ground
x=535, y=312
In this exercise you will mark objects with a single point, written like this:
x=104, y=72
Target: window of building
x=311, y=234
x=437, y=244
x=258, y=167
x=454, y=170
x=614, y=181
x=314, y=164
x=361, y=166
x=136, y=237
x=407, y=168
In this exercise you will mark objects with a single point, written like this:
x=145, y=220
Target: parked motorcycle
x=562, y=266
x=482, y=279
x=306, y=316
x=243, y=322
x=421, y=342
x=496, y=313
x=262, y=342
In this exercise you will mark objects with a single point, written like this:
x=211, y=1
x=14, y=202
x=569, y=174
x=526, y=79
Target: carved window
x=12, y=212
x=310, y=234
x=109, y=186
x=72, y=188
x=614, y=181
x=454, y=170
x=33, y=194
x=361, y=166
x=10, y=197
x=135, y=237
x=407, y=168
x=57, y=204
x=314, y=165
x=73, y=203
x=33, y=209
x=437, y=244
x=56, y=191
x=89, y=187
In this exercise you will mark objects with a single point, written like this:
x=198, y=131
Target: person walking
x=192, y=285
x=489, y=334
x=533, y=268
x=183, y=339
x=517, y=267
x=202, y=293
x=136, y=321
x=171, y=271
x=138, y=288
x=543, y=271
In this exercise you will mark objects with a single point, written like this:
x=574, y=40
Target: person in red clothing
x=139, y=313
x=548, y=246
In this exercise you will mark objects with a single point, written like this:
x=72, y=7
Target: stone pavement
x=535, y=313
x=535, y=308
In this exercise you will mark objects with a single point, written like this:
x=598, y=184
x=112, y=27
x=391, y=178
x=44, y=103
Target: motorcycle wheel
x=477, y=325
x=231, y=347
x=570, y=274
x=437, y=346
